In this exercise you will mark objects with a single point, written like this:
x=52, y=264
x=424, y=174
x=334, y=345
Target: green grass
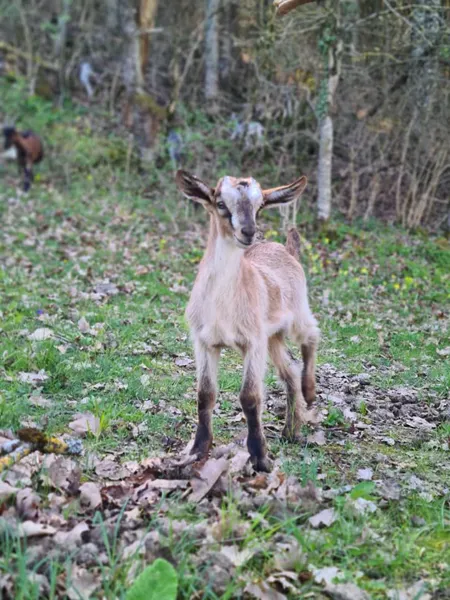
x=386, y=312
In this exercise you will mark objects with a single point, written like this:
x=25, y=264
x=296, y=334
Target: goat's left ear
x=284, y=193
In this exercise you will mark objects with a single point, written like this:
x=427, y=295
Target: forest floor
x=93, y=344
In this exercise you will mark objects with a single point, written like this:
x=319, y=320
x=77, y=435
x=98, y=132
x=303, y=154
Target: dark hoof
x=201, y=448
x=291, y=436
x=263, y=464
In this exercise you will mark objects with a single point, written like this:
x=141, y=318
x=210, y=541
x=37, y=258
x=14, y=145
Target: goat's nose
x=248, y=230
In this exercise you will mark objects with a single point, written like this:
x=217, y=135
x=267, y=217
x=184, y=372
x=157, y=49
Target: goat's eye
x=221, y=205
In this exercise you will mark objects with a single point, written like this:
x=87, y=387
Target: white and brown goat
x=249, y=296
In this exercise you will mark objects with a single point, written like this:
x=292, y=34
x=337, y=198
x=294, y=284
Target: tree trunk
x=146, y=16
x=212, y=52
x=425, y=37
x=324, y=168
x=229, y=28
x=333, y=46
x=142, y=114
x=112, y=15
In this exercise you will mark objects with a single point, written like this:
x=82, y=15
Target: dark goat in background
x=29, y=151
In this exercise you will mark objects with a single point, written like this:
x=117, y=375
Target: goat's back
x=283, y=275
x=275, y=257
x=31, y=145
x=285, y=283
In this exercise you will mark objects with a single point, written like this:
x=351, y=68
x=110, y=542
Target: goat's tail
x=293, y=243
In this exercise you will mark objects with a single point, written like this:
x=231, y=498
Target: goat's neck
x=222, y=255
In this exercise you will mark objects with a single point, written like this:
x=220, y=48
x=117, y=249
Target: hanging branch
x=283, y=7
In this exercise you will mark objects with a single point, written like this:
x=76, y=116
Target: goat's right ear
x=194, y=188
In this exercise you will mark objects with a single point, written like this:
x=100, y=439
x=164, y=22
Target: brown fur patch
x=293, y=243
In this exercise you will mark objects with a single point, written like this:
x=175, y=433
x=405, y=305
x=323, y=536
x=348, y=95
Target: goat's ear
x=284, y=193
x=194, y=188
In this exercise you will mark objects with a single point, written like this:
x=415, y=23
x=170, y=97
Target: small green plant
x=334, y=417
x=363, y=490
x=159, y=581
x=362, y=408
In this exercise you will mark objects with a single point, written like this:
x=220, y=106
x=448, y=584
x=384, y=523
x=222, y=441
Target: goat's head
x=235, y=202
x=9, y=133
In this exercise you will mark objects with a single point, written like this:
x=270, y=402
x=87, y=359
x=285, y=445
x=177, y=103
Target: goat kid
x=250, y=297
x=29, y=151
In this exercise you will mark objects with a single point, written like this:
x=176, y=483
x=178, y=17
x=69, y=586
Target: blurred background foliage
x=129, y=90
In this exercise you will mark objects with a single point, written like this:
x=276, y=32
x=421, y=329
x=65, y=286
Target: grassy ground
x=124, y=262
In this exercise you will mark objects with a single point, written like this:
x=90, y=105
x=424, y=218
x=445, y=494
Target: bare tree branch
x=283, y=7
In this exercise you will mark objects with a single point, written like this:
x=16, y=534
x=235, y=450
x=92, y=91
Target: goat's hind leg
x=27, y=175
x=307, y=335
x=289, y=373
x=309, y=372
x=206, y=361
x=251, y=398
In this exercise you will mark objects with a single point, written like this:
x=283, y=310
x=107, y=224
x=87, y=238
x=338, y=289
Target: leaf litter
x=148, y=488
x=143, y=489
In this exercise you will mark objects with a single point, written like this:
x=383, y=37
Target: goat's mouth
x=242, y=243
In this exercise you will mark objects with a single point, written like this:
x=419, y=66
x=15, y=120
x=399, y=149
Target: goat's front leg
x=296, y=412
x=251, y=398
x=206, y=360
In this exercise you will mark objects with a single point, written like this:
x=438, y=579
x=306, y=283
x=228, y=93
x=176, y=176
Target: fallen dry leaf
x=84, y=423
x=106, y=289
x=145, y=379
x=259, y=482
x=60, y=472
x=27, y=503
x=184, y=361
x=389, y=490
x=360, y=506
x=365, y=474
x=419, y=423
x=33, y=378
x=72, y=538
x=207, y=477
x=318, y=437
x=32, y=529
x=41, y=334
x=325, y=575
x=346, y=591
x=6, y=491
x=168, y=484
x=239, y=460
x=417, y=591
x=324, y=518
x=83, y=325
x=284, y=579
x=289, y=556
x=238, y=557
x=110, y=469
x=444, y=351
x=83, y=583
x=147, y=493
x=23, y=470
x=263, y=591
x=349, y=414
x=38, y=400
x=90, y=497
x=41, y=583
